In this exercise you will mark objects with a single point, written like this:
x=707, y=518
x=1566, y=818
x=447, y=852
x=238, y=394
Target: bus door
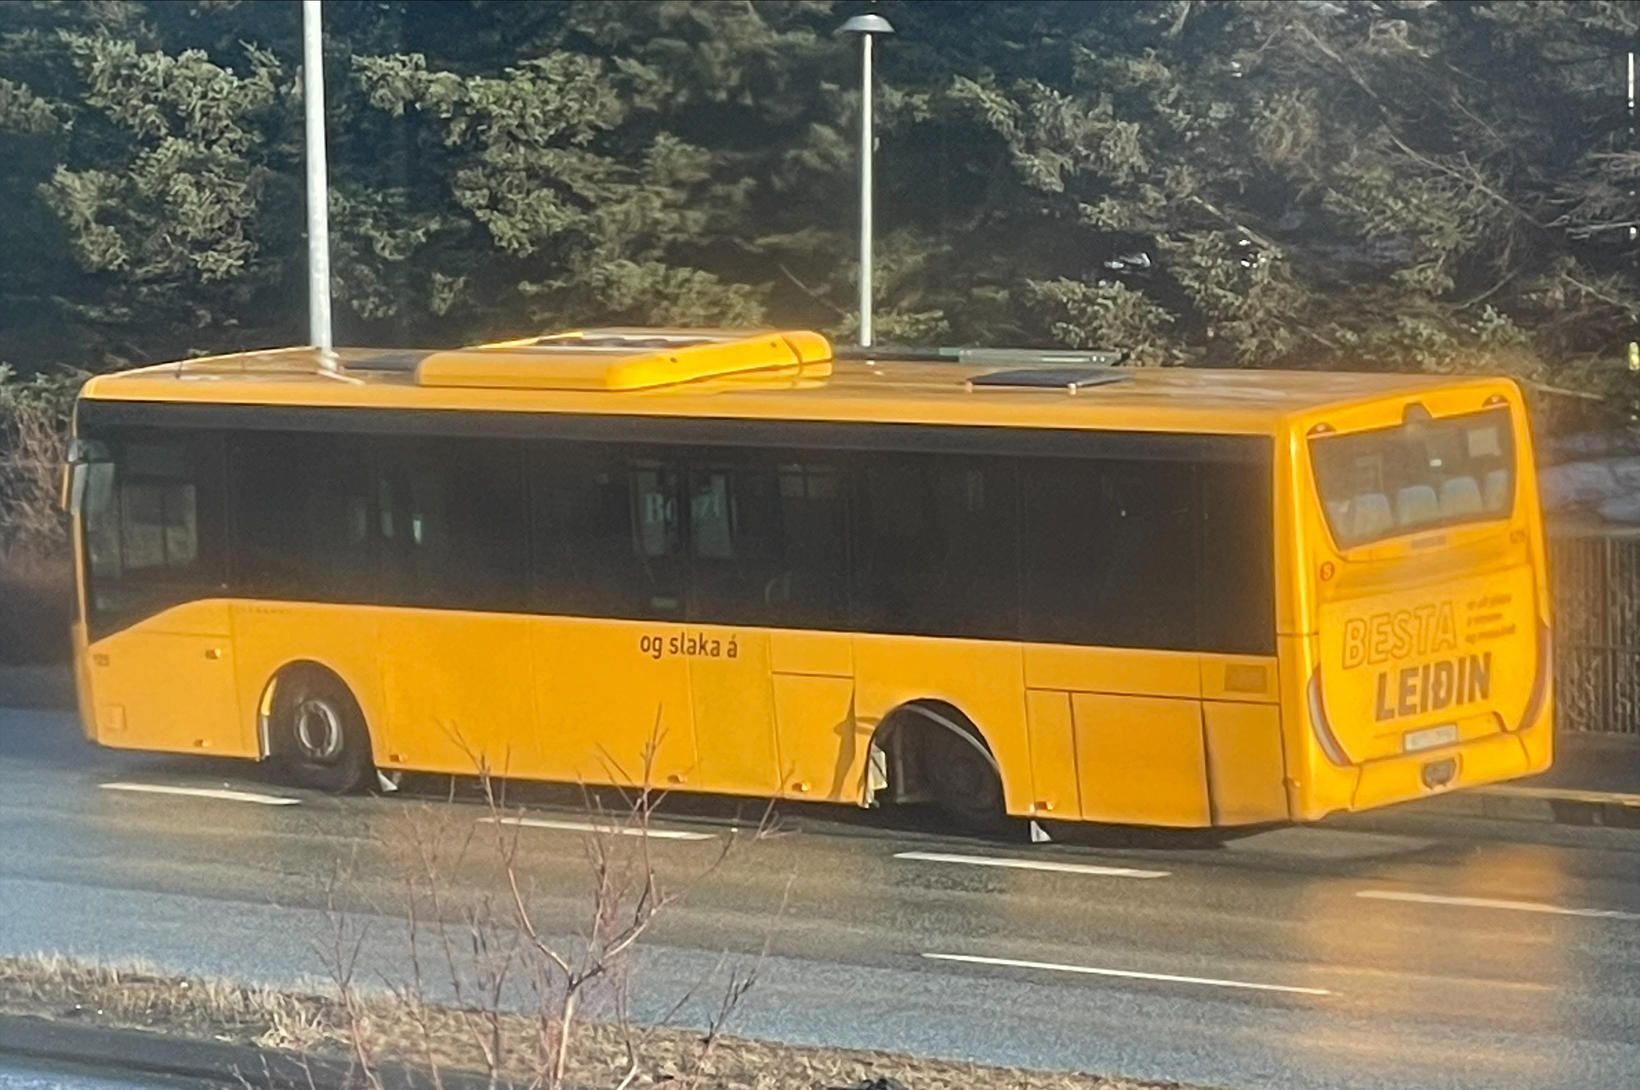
x=735, y=548
x=772, y=694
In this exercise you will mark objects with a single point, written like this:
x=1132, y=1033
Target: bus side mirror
x=81, y=453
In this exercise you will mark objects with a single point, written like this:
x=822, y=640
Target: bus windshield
x=1419, y=475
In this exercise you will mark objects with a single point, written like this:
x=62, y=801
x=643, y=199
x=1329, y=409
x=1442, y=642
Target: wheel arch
x=270, y=688
x=897, y=728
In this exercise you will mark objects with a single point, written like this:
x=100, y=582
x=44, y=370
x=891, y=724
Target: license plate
x=1428, y=738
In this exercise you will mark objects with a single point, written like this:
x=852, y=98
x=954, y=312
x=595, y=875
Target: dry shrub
x=133, y=995
x=34, y=431
x=37, y=593
x=531, y=1008
x=36, y=575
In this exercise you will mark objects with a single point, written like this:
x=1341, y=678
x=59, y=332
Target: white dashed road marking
x=1032, y=864
x=1489, y=902
x=221, y=794
x=1088, y=970
x=591, y=827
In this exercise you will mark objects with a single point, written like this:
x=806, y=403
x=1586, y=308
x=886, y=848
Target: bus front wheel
x=316, y=732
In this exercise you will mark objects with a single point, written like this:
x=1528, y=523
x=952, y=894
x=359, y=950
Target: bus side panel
x=615, y=702
x=1055, y=791
x=822, y=743
x=985, y=680
x=1244, y=762
x=1141, y=759
x=1246, y=765
x=1136, y=723
x=167, y=683
x=459, y=694
x=269, y=636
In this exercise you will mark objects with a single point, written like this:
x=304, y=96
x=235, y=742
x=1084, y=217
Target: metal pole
x=1634, y=232
x=865, y=190
x=318, y=188
x=867, y=26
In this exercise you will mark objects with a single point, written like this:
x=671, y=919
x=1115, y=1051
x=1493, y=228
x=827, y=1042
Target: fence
x=1595, y=581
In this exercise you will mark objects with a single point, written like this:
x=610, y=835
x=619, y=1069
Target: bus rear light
x=1321, y=429
x=1493, y=400
x=1324, y=735
x=1545, y=674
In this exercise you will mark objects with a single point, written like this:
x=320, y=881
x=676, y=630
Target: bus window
x=812, y=586
x=1110, y=554
x=606, y=534
x=453, y=524
x=768, y=544
x=1418, y=475
x=306, y=517
x=153, y=520
x=1236, y=610
x=936, y=548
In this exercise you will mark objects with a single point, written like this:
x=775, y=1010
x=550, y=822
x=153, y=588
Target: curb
x=1543, y=805
x=131, y=1051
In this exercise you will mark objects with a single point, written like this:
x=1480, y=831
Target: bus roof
x=768, y=375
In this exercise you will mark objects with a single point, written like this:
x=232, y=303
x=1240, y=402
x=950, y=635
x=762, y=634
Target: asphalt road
x=1403, y=950
x=29, y=1076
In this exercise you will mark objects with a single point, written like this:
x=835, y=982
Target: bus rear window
x=1417, y=476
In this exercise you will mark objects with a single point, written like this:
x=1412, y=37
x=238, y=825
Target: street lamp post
x=867, y=27
x=318, y=187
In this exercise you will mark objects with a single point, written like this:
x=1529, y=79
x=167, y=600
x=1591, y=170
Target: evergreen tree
x=1326, y=183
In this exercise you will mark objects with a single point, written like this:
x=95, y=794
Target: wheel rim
x=318, y=730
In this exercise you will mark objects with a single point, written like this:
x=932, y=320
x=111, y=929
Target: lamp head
x=870, y=23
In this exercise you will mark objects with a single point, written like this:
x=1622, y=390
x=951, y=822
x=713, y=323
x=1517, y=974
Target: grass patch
x=405, y=1031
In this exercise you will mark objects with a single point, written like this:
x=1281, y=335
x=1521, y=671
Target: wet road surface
x=1387, y=951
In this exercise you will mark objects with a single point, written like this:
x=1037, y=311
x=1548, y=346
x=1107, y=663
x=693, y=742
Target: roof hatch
x=1095, y=357
x=627, y=359
x=1051, y=378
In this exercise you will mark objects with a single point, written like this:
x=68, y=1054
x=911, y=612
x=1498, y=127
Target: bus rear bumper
x=1498, y=757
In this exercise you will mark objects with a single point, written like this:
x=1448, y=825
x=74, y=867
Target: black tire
x=316, y=733
x=961, y=777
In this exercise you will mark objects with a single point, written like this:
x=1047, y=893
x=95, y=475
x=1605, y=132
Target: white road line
x=220, y=793
x=1088, y=970
x=1489, y=902
x=1031, y=864
x=592, y=827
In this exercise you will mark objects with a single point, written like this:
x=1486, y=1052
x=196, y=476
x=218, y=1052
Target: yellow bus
x=735, y=562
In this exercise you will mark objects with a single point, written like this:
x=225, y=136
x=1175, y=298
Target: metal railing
x=1595, y=582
